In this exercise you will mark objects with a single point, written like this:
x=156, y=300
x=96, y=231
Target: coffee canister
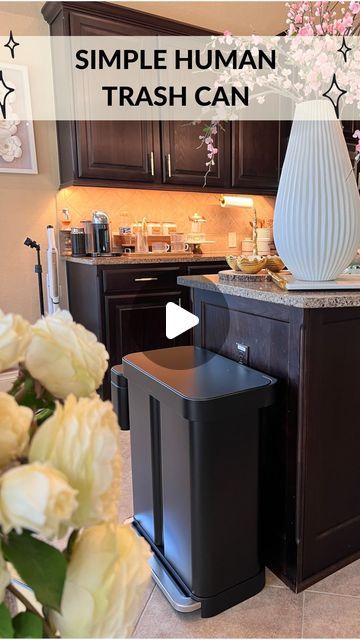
x=77, y=241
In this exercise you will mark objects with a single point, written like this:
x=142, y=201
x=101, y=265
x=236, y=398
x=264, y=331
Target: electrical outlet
x=232, y=239
x=243, y=350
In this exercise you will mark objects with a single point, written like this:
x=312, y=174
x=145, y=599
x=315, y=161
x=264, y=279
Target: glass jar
x=169, y=227
x=125, y=225
x=78, y=241
x=154, y=228
x=65, y=242
x=135, y=227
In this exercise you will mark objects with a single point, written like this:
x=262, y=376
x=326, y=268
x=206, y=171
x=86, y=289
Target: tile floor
x=329, y=609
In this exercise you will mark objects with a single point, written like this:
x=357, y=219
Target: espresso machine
x=97, y=234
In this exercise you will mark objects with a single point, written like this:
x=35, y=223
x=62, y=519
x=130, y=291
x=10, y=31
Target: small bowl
x=253, y=264
x=274, y=263
x=232, y=262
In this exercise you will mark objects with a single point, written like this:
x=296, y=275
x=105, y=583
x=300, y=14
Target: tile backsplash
x=162, y=206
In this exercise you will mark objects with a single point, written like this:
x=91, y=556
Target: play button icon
x=178, y=320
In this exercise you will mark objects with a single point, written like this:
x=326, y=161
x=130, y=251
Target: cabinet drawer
x=140, y=279
x=206, y=269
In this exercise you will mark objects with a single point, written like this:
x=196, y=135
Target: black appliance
x=102, y=233
x=195, y=421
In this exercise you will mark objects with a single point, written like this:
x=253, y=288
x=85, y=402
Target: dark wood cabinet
x=119, y=150
x=349, y=127
x=124, y=305
x=128, y=153
x=284, y=131
x=99, y=151
x=201, y=269
x=311, y=447
x=255, y=154
x=152, y=154
x=164, y=155
x=137, y=325
x=258, y=152
x=185, y=163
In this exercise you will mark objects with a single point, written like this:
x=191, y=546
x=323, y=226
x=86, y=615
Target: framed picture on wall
x=17, y=140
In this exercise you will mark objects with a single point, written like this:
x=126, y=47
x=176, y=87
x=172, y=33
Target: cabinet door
x=285, y=129
x=255, y=156
x=349, y=127
x=116, y=150
x=330, y=443
x=185, y=163
x=119, y=150
x=138, y=323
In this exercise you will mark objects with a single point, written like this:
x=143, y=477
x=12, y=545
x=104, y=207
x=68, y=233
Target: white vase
x=317, y=211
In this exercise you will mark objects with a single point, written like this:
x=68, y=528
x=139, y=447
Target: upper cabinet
x=119, y=150
x=349, y=127
x=130, y=153
x=184, y=163
x=255, y=154
x=157, y=154
x=161, y=155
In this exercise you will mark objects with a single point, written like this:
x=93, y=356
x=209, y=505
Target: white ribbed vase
x=317, y=211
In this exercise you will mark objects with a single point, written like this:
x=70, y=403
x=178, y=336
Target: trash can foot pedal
x=170, y=589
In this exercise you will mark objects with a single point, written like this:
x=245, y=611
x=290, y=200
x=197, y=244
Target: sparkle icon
x=344, y=49
x=11, y=44
x=334, y=93
x=4, y=93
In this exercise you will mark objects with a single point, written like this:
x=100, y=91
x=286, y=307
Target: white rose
x=82, y=440
x=36, y=497
x=65, y=357
x=15, y=423
x=106, y=578
x=14, y=339
x=4, y=577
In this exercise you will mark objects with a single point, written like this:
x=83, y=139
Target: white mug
x=179, y=247
x=160, y=247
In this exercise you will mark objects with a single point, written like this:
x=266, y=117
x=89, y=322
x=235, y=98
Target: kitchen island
x=310, y=342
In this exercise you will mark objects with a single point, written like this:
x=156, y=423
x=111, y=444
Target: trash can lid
x=196, y=374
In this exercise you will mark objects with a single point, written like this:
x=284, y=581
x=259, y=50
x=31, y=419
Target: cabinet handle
x=144, y=279
x=168, y=158
x=152, y=164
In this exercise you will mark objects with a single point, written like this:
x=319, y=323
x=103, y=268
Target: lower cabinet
x=201, y=270
x=125, y=305
x=138, y=324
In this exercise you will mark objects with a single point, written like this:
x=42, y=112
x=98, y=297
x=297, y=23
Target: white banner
x=178, y=78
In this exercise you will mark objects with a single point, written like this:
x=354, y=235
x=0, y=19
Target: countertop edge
x=269, y=292
x=156, y=259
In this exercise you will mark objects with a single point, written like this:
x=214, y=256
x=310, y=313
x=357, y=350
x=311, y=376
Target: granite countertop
x=130, y=258
x=269, y=292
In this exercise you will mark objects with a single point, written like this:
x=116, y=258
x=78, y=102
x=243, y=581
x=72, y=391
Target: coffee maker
x=98, y=234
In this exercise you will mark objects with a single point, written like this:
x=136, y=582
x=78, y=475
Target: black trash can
x=195, y=420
